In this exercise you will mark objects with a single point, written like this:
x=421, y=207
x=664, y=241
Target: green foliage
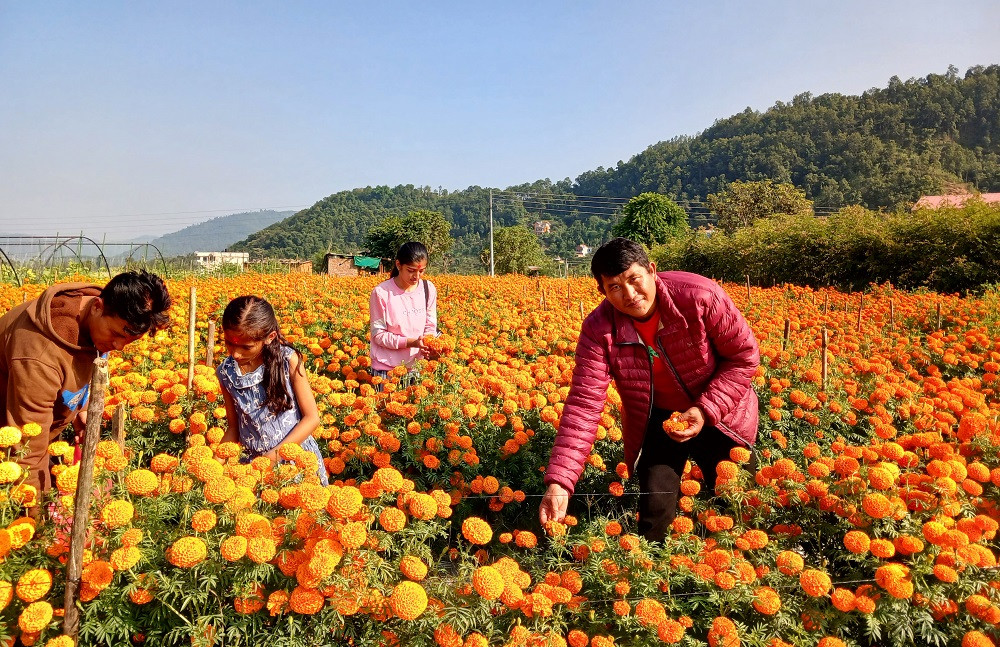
x=883, y=148
x=651, y=219
x=425, y=226
x=948, y=250
x=515, y=249
x=742, y=203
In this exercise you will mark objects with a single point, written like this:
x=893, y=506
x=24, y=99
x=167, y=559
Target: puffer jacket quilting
x=704, y=337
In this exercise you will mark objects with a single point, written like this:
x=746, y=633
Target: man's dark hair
x=616, y=256
x=140, y=298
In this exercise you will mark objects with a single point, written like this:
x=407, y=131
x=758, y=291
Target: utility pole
x=491, y=234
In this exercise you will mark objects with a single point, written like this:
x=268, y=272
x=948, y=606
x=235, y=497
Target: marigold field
x=872, y=518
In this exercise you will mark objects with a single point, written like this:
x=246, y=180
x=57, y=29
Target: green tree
x=428, y=227
x=741, y=203
x=515, y=249
x=651, y=219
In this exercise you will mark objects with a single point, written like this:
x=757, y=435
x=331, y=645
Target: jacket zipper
x=649, y=414
x=677, y=375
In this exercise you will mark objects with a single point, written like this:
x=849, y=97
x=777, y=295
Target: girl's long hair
x=254, y=317
x=411, y=252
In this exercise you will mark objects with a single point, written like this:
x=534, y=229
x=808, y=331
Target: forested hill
x=882, y=149
x=218, y=233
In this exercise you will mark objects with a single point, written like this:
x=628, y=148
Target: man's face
x=109, y=332
x=633, y=292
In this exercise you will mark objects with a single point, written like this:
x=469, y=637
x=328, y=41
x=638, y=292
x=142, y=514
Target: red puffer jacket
x=705, y=339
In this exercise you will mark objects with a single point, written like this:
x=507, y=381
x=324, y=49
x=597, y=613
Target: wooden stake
x=84, y=491
x=581, y=311
x=749, y=301
x=939, y=315
x=861, y=307
x=824, y=365
x=892, y=314
x=569, y=297
x=788, y=330
x=191, y=314
x=118, y=425
x=541, y=300
x=210, y=345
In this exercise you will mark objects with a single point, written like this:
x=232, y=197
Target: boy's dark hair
x=411, y=252
x=254, y=317
x=139, y=298
x=616, y=256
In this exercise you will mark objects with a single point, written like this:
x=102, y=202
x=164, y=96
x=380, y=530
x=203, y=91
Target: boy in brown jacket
x=47, y=351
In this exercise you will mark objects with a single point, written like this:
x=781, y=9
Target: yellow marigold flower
x=60, y=448
x=24, y=494
x=250, y=602
x=277, y=603
x=10, y=471
x=422, y=506
x=117, y=513
x=131, y=537
x=34, y=584
x=141, y=482
x=815, y=583
x=488, y=582
x=408, y=600
x=141, y=596
x=344, y=502
x=35, y=617
x=187, y=552
x=767, y=601
x=61, y=641
x=162, y=463
x=125, y=558
x=67, y=478
x=6, y=594
x=31, y=429
x=477, y=531
x=9, y=436
x=203, y=520
x=353, y=535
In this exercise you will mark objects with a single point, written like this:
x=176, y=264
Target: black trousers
x=662, y=464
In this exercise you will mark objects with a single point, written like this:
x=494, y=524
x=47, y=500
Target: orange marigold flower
x=477, y=531
x=815, y=583
x=488, y=582
x=789, y=562
x=34, y=584
x=392, y=519
x=141, y=483
x=723, y=633
x=305, y=601
x=882, y=548
x=187, y=552
x=413, y=568
x=35, y=617
x=976, y=638
x=261, y=549
x=830, y=641
x=125, y=558
x=408, y=600
x=670, y=631
x=117, y=513
x=203, y=520
x=767, y=601
x=843, y=599
x=876, y=505
x=857, y=542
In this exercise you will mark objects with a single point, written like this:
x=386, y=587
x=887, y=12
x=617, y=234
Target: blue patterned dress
x=260, y=429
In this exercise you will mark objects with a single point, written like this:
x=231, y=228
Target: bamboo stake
x=210, y=345
x=118, y=425
x=84, y=491
x=191, y=314
x=788, y=330
x=939, y=315
x=569, y=297
x=824, y=365
x=581, y=311
x=541, y=300
x=749, y=301
x=861, y=307
x=892, y=314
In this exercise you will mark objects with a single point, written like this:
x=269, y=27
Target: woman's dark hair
x=254, y=317
x=411, y=252
x=616, y=256
x=140, y=299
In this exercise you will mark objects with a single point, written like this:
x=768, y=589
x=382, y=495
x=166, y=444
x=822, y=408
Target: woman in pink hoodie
x=403, y=312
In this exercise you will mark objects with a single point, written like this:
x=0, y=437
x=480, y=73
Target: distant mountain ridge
x=881, y=149
x=218, y=233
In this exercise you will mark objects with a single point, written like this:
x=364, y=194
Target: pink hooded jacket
x=706, y=342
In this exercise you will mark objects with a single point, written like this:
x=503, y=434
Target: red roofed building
x=956, y=200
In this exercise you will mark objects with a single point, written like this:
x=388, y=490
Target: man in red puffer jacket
x=672, y=342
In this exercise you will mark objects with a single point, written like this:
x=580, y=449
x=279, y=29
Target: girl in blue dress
x=268, y=399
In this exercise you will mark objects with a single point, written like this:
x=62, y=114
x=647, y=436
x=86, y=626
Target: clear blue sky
x=112, y=109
